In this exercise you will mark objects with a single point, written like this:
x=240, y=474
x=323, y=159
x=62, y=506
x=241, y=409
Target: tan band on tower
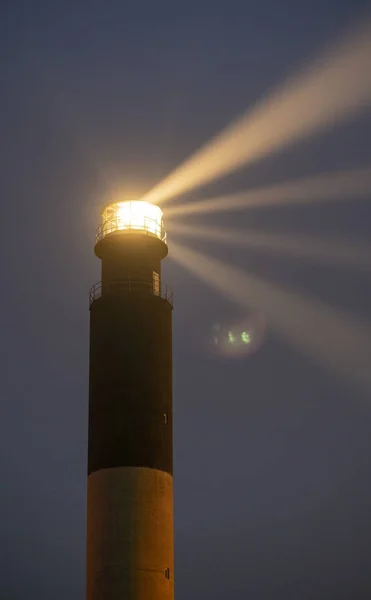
x=130, y=537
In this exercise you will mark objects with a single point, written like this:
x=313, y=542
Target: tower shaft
x=130, y=540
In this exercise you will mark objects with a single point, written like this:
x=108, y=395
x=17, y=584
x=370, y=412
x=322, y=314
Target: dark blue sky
x=272, y=453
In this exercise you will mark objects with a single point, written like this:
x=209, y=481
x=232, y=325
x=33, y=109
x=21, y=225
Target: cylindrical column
x=130, y=540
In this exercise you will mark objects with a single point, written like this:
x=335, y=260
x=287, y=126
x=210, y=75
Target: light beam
x=325, y=250
x=339, y=185
x=328, y=336
x=331, y=89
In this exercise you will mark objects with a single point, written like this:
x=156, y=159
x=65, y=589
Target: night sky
x=272, y=451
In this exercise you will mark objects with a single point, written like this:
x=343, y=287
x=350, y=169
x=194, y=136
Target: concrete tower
x=130, y=541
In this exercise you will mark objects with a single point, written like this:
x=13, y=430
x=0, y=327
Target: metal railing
x=130, y=286
x=116, y=225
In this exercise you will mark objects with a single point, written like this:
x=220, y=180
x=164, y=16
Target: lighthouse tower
x=130, y=541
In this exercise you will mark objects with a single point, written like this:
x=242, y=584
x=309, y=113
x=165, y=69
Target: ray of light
x=330, y=337
x=320, y=188
x=325, y=250
x=332, y=88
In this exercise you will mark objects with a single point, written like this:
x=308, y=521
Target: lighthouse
x=130, y=537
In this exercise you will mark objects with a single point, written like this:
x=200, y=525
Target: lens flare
x=239, y=339
x=331, y=89
x=246, y=337
x=328, y=336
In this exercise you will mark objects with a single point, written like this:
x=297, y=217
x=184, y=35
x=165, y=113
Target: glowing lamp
x=133, y=216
